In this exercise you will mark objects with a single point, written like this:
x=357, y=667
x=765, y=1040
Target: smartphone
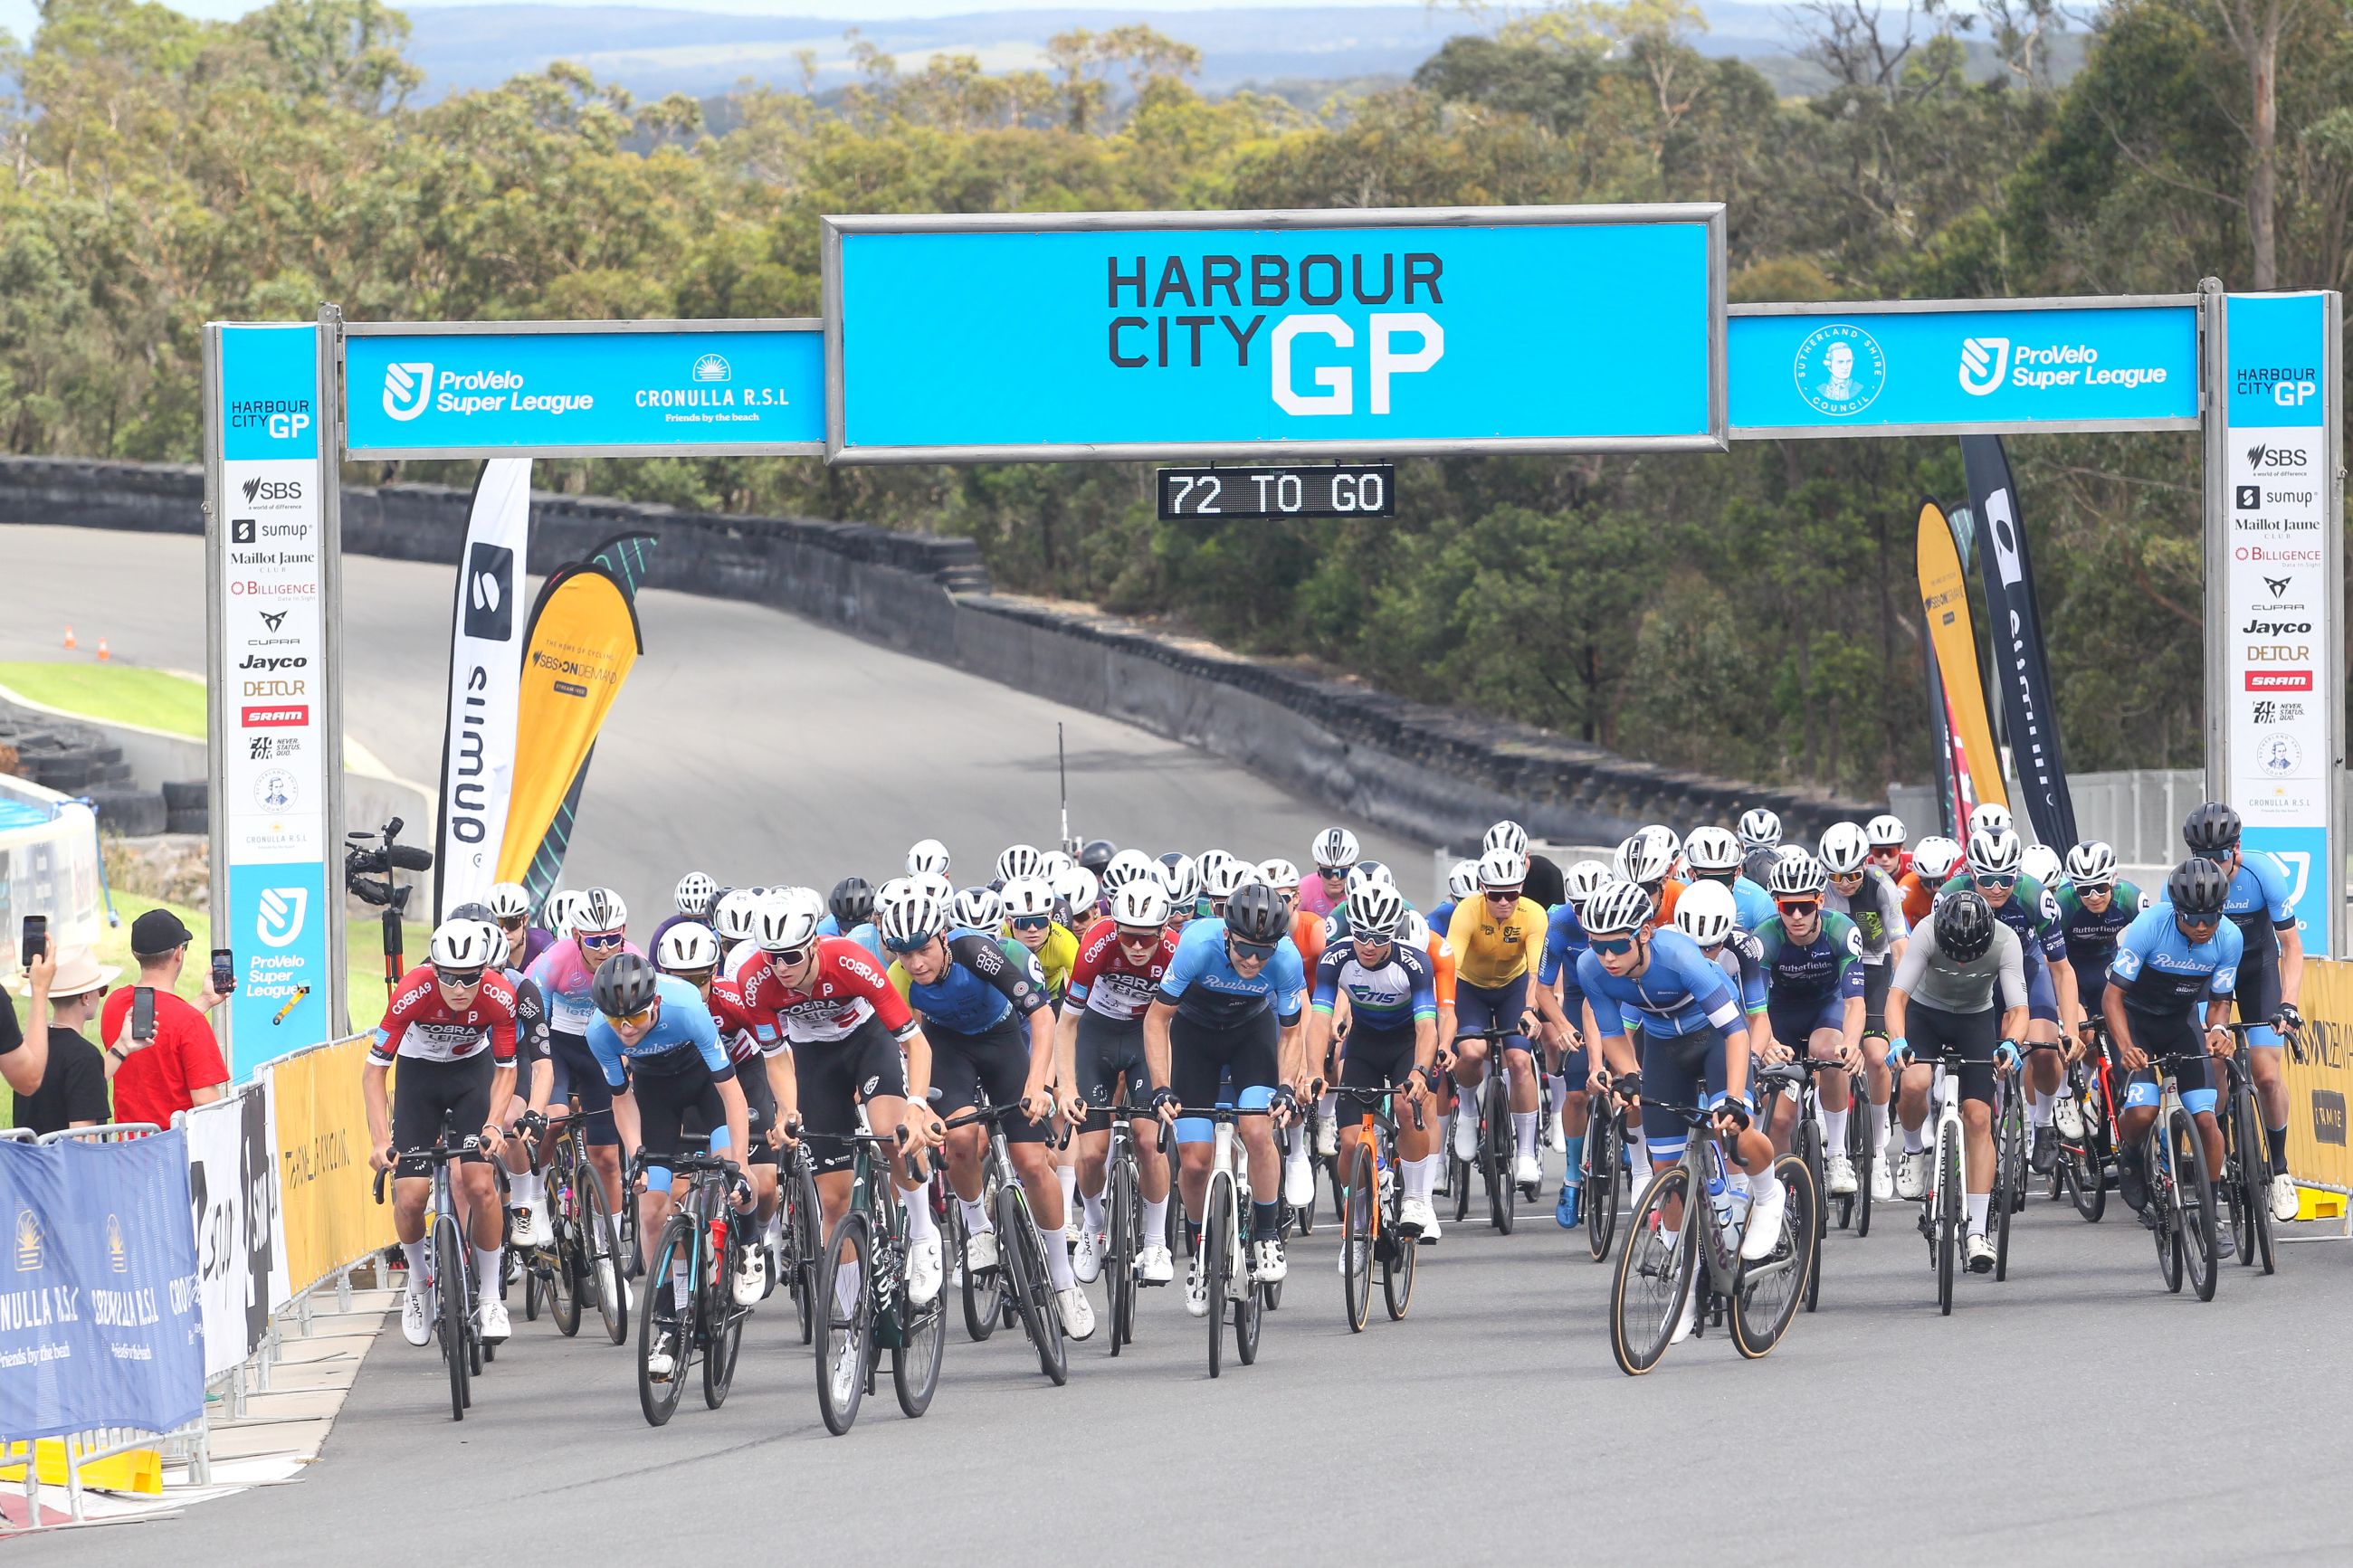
x=142, y=1012
x=223, y=971
x=35, y=940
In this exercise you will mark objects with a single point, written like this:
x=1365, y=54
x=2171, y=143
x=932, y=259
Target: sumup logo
x=1839, y=370
x=407, y=387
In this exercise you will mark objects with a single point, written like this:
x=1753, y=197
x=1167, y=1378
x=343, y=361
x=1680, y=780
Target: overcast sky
x=19, y=16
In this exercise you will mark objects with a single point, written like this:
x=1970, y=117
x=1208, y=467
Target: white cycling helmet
x=1278, y=874
x=1934, y=857
x=1142, y=903
x=695, y=891
x=908, y=913
x=1221, y=873
x=929, y=857
x=982, y=908
x=1077, y=888
x=1054, y=862
x=1335, y=850
x=1367, y=874
x=1585, y=878
x=1016, y=861
x=1028, y=897
x=508, y=900
x=1128, y=865
x=599, y=909
x=1884, y=831
x=1374, y=909
x=1183, y=878
x=1705, y=913
x=1712, y=849
x=687, y=945
x=1798, y=875
x=1760, y=828
x=463, y=944
x=1462, y=880
x=779, y=924
x=1990, y=819
x=1643, y=859
x=1502, y=867
x=2041, y=862
x=2090, y=865
x=1995, y=854
x=1617, y=906
x=1412, y=929
x=1845, y=849
x=932, y=882
x=1664, y=837
x=1505, y=834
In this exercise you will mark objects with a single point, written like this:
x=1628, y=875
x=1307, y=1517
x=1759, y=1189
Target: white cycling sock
x=486, y=1270
x=2038, y=1110
x=523, y=1188
x=1058, y=1256
x=1298, y=1153
x=1328, y=1105
x=1523, y=1129
x=1420, y=1176
x=1916, y=1140
x=975, y=1217
x=921, y=1224
x=1559, y=1082
x=1069, y=1176
x=1834, y=1131
x=417, y=1255
x=1878, y=1110
x=1092, y=1206
x=1156, y=1222
x=1978, y=1203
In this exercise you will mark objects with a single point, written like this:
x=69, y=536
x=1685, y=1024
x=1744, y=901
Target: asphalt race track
x=2074, y=1413
x=750, y=743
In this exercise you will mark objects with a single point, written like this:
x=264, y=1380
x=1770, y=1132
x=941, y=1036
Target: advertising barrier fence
x=2320, y=1082
x=326, y=1218
x=238, y=1225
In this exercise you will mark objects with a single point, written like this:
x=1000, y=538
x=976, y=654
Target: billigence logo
x=407, y=387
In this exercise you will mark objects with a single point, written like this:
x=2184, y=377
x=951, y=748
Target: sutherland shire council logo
x=1839, y=370
x=406, y=389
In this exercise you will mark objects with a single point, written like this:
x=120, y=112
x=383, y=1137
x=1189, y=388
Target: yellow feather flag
x=1945, y=600
x=583, y=643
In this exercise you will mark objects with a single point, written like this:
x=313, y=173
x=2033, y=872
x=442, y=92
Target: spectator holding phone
x=179, y=1066
x=71, y=1090
x=25, y=1054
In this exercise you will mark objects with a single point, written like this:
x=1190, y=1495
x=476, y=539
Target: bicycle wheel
x=448, y=1260
x=1809, y=1152
x=2254, y=1180
x=2193, y=1192
x=981, y=1288
x=723, y=1319
x=1249, y=1313
x=1496, y=1152
x=1356, y=1241
x=1654, y=1274
x=1119, y=1268
x=2167, y=1230
x=565, y=1262
x=915, y=1358
x=2009, y=1182
x=1396, y=1266
x=1772, y=1287
x=601, y=1255
x=1602, y=1184
x=1951, y=1218
x=1032, y=1291
x=657, y=1398
x=2086, y=1174
x=1216, y=1258
x=1869, y=1152
x=803, y=1250
x=845, y=1333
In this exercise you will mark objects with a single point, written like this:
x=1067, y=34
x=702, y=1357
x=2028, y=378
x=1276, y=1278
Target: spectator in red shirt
x=182, y=1068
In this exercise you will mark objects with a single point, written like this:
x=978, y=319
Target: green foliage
x=1752, y=613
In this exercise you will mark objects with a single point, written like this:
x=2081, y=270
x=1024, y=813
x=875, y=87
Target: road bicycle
x=1496, y=1145
x=448, y=1267
x=1124, y=1236
x=862, y=1285
x=1796, y=1077
x=1862, y=1153
x=690, y=1300
x=1943, y=1202
x=582, y=1259
x=2246, y=1156
x=1671, y=1251
x=1369, y=1235
x=1234, y=1292
x=799, y=1246
x=2081, y=1170
x=2180, y=1211
x=1613, y=1142
x=2009, y=1167
x=1027, y=1288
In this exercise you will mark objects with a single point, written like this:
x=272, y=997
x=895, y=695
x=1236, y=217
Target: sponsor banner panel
x=320, y=1123
x=583, y=642
x=2320, y=1080
x=100, y=1320
x=477, y=748
x=2278, y=594
x=232, y=1193
x=489, y=390
x=1103, y=335
x=1820, y=370
x=272, y=815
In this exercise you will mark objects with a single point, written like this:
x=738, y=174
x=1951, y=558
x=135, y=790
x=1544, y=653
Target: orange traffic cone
x=103, y=655
x=69, y=638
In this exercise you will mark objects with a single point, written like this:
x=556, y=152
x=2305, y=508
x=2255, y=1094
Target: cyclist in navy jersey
x=1995, y=868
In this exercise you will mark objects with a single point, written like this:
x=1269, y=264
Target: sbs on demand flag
x=583, y=641
x=1945, y=605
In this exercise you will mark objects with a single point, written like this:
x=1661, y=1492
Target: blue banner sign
x=1127, y=335
x=1822, y=371
x=100, y=1323
x=651, y=389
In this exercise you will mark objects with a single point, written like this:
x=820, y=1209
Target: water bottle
x=1721, y=1199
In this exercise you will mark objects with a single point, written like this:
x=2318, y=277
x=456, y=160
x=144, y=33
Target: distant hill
x=1304, y=54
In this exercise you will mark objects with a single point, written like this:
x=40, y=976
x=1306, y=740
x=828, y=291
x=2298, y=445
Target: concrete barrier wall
x=1436, y=774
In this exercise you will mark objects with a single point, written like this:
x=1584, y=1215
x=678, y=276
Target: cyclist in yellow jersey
x=1498, y=939
x=1029, y=921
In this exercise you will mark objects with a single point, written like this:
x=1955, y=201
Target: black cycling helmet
x=2197, y=889
x=1965, y=923
x=2212, y=826
x=1255, y=914
x=1097, y=855
x=473, y=909
x=852, y=901
x=627, y=983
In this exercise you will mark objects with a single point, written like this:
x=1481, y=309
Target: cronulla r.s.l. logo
x=1839, y=370
x=714, y=367
x=407, y=387
x=1984, y=361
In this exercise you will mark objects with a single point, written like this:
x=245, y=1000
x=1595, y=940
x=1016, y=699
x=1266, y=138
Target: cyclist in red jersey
x=1885, y=835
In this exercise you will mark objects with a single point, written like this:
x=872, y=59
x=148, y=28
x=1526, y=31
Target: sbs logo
x=2263, y=456
x=1984, y=361
x=406, y=388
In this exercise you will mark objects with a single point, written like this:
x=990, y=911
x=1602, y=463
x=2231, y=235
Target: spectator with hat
x=72, y=1090
x=182, y=1067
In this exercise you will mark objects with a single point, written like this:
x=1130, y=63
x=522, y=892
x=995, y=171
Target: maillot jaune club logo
x=1839, y=370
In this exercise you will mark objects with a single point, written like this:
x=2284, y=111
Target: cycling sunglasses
x=637, y=1019
x=1030, y=922
x=1837, y=877
x=1139, y=939
x=459, y=979
x=1501, y=895
x=2219, y=857
x=1990, y=879
x=698, y=978
x=916, y=946
x=792, y=957
x=513, y=922
x=603, y=939
x=1333, y=873
x=1261, y=951
x=1613, y=946
x=1798, y=906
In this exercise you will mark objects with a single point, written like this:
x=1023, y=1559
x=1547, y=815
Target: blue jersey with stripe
x=1564, y=939
x=684, y=1036
x=1681, y=990
x=1202, y=984
x=2162, y=971
x=1391, y=994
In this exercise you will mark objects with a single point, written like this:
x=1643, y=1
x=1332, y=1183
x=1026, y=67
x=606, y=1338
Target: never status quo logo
x=1839, y=370
x=1984, y=361
x=490, y=592
x=408, y=386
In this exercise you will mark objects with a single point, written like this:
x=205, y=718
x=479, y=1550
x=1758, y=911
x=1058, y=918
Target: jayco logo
x=1984, y=361
x=406, y=388
x=262, y=662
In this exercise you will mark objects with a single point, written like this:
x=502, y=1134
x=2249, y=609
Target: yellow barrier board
x=141, y=1470
x=2320, y=1086
x=332, y=1217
